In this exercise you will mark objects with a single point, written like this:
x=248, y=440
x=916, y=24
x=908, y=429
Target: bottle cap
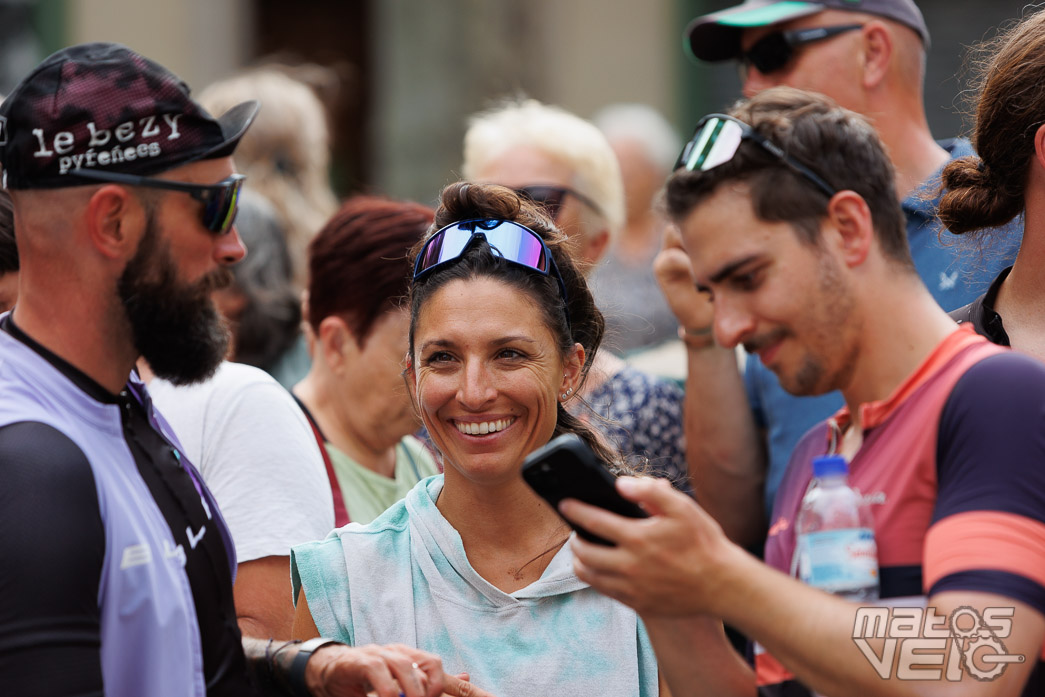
x=830, y=465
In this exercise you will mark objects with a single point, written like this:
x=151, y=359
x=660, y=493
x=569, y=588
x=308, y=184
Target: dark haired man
x=117, y=567
x=869, y=57
x=793, y=230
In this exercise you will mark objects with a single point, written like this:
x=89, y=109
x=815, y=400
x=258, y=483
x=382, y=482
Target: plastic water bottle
x=836, y=547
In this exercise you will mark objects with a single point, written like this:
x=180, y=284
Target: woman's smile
x=488, y=374
x=482, y=428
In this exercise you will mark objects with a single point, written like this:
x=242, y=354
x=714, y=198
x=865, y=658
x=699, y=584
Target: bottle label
x=838, y=561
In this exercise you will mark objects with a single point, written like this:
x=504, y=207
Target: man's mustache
x=758, y=343
x=216, y=280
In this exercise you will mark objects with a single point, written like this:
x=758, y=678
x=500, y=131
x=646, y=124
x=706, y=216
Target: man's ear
x=596, y=246
x=335, y=343
x=851, y=227
x=115, y=221
x=878, y=52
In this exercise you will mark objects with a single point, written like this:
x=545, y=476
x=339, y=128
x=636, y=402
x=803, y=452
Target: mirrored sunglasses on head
x=511, y=241
x=774, y=51
x=717, y=139
x=551, y=197
x=220, y=201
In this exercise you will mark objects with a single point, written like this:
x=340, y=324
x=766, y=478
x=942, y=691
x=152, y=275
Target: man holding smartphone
x=789, y=216
x=869, y=56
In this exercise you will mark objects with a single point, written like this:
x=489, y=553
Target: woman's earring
x=567, y=393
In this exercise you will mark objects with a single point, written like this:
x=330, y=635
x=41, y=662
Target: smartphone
x=566, y=468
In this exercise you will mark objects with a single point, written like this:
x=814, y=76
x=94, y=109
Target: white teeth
x=483, y=428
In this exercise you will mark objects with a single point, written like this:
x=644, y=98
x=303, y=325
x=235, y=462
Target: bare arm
x=679, y=563
x=831, y=662
x=262, y=594
x=454, y=686
x=337, y=670
x=724, y=449
x=304, y=625
x=677, y=639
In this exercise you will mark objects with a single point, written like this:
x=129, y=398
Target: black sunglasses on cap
x=550, y=198
x=220, y=200
x=774, y=51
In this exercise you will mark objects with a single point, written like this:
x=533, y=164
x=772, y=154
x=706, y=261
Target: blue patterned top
x=645, y=421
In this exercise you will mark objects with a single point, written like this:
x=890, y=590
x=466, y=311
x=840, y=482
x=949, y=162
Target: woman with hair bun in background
x=1006, y=180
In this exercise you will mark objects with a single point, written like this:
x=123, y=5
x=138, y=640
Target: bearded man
x=116, y=564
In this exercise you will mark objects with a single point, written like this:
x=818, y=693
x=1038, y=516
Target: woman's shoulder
x=396, y=519
x=355, y=545
x=393, y=521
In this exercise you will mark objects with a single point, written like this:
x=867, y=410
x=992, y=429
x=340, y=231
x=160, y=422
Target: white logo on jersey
x=135, y=555
x=174, y=551
x=948, y=281
x=195, y=539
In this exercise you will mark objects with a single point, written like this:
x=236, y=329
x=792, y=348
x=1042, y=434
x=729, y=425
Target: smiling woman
x=473, y=565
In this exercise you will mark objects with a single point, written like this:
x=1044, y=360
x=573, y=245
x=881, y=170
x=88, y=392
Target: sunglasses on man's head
x=550, y=198
x=717, y=139
x=512, y=242
x=220, y=200
x=774, y=51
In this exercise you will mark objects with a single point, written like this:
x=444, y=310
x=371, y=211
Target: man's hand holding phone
x=566, y=468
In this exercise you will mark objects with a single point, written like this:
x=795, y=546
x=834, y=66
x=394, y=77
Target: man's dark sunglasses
x=774, y=51
x=220, y=200
x=551, y=197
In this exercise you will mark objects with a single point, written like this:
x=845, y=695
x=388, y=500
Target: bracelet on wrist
x=296, y=672
x=270, y=656
x=697, y=338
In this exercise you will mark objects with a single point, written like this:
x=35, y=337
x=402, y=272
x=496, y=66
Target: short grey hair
x=562, y=136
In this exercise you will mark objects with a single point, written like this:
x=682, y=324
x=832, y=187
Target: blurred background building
x=400, y=76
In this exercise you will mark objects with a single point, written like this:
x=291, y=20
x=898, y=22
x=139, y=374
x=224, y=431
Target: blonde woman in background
x=286, y=154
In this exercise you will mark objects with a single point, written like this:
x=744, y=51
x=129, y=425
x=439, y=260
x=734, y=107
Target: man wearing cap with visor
x=116, y=564
x=868, y=56
x=788, y=214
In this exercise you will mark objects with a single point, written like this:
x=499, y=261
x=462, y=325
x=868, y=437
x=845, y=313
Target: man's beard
x=829, y=355
x=175, y=326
